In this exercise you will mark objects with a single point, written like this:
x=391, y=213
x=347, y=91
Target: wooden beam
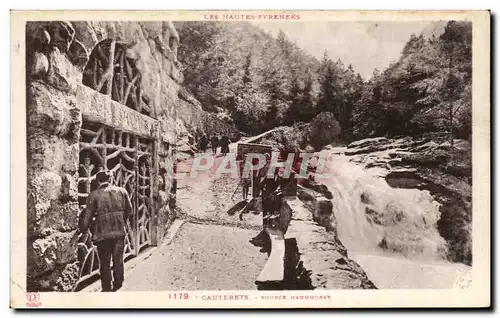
x=154, y=224
x=104, y=153
x=94, y=74
x=135, y=228
x=88, y=132
x=127, y=91
x=138, y=93
x=122, y=75
x=108, y=74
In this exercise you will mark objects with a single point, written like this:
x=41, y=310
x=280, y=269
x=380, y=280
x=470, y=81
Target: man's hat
x=102, y=176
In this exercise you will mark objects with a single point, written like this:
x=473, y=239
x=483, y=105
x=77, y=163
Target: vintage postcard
x=257, y=159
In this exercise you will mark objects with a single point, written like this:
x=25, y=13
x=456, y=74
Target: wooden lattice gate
x=130, y=160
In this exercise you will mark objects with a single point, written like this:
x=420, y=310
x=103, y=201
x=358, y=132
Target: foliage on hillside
x=427, y=89
x=259, y=82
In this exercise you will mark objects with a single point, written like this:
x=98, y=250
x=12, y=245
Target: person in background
x=224, y=143
x=245, y=180
x=245, y=186
x=214, y=143
x=106, y=213
x=203, y=143
x=272, y=194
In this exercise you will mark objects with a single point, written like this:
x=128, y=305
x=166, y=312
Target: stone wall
x=58, y=102
x=52, y=211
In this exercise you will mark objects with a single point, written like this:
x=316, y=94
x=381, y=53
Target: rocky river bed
x=403, y=209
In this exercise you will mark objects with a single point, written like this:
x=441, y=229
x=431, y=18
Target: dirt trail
x=201, y=257
x=214, y=199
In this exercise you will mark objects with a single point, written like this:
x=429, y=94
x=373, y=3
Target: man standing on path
x=107, y=211
x=214, y=142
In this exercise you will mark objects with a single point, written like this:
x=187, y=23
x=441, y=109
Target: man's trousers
x=107, y=250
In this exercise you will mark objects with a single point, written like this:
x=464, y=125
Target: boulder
x=52, y=111
x=365, y=198
x=38, y=37
x=45, y=188
x=39, y=66
x=373, y=216
x=52, y=204
x=69, y=189
x=403, y=178
x=45, y=254
x=62, y=74
x=368, y=142
x=86, y=33
x=78, y=55
x=372, y=145
x=304, y=195
x=62, y=34
x=323, y=130
x=61, y=279
x=323, y=214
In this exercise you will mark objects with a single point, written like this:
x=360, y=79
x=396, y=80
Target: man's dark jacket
x=111, y=207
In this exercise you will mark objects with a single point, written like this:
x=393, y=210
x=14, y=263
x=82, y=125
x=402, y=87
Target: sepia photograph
x=252, y=156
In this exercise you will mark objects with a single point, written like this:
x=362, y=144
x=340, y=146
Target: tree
x=455, y=44
x=296, y=98
x=308, y=110
x=302, y=107
x=421, y=91
x=248, y=63
x=327, y=81
x=368, y=116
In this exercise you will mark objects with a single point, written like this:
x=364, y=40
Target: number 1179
x=178, y=296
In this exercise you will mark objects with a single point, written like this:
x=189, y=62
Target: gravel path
x=201, y=257
x=214, y=199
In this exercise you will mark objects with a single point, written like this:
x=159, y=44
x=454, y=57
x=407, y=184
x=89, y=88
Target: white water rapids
x=391, y=233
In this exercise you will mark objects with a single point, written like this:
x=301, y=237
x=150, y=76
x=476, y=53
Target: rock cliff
x=58, y=102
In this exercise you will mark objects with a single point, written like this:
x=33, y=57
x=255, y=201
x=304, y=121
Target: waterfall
x=392, y=233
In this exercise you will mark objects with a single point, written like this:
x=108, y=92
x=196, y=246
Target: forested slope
x=258, y=81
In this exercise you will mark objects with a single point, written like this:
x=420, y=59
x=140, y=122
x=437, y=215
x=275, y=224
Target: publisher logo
x=33, y=299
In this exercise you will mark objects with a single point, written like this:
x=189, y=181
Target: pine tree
x=455, y=46
x=327, y=80
x=295, y=98
x=308, y=109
